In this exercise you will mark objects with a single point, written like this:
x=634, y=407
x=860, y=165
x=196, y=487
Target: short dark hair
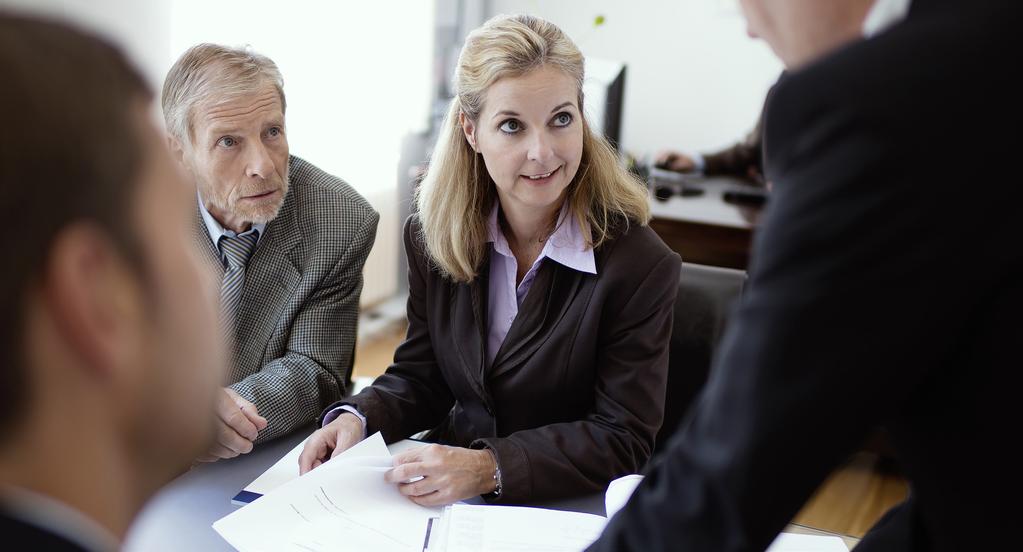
x=70, y=150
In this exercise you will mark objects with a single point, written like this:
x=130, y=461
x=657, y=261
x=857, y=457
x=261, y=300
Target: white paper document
x=286, y=469
x=280, y=473
x=793, y=542
x=344, y=505
x=474, y=528
x=618, y=493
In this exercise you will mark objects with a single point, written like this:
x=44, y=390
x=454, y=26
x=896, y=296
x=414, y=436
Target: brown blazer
x=575, y=395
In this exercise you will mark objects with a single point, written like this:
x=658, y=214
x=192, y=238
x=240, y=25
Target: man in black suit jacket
x=886, y=289
x=110, y=359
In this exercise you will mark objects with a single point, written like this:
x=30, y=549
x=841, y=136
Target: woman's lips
x=542, y=178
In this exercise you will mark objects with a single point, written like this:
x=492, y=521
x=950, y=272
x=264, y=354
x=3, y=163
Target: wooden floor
x=848, y=503
x=374, y=355
x=854, y=497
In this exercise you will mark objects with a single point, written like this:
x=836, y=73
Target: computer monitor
x=604, y=92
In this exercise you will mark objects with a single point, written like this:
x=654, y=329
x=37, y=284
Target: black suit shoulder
x=898, y=85
x=633, y=250
x=23, y=536
x=635, y=245
x=636, y=268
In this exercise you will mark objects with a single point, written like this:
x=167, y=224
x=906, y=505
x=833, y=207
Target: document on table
x=280, y=473
x=345, y=504
x=286, y=469
x=793, y=542
x=474, y=528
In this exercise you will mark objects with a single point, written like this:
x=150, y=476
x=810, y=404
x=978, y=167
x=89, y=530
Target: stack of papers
x=345, y=505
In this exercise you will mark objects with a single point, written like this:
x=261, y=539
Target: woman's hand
x=330, y=440
x=449, y=474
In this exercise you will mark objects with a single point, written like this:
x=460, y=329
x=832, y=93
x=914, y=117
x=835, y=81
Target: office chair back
x=705, y=297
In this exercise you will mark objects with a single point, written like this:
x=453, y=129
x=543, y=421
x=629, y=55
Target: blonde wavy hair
x=457, y=193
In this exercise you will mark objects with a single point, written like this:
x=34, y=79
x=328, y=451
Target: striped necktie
x=235, y=251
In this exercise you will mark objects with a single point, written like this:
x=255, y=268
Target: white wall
x=694, y=78
x=139, y=27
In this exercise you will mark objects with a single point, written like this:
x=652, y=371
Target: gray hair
x=211, y=73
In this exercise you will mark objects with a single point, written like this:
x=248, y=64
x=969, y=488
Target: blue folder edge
x=245, y=497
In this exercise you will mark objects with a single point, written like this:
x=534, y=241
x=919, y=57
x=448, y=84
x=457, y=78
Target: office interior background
x=367, y=83
x=360, y=72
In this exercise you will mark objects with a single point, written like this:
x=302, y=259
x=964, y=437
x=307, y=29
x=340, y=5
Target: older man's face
x=239, y=158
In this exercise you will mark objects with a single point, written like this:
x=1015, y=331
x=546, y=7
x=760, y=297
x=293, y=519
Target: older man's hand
x=238, y=425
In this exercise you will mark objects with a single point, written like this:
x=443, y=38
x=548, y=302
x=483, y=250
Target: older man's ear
x=176, y=149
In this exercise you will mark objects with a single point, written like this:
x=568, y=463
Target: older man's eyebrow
x=223, y=130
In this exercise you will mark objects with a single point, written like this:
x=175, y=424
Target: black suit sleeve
x=845, y=313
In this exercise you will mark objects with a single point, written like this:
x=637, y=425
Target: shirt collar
x=566, y=246
x=883, y=14
x=216, y=230
x=55, y=517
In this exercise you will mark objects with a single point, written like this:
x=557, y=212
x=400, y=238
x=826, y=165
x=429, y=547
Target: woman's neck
x=526, y=230
x=524, y=225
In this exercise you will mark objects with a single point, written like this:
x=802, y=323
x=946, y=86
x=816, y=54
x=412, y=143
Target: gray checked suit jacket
x=295, y=326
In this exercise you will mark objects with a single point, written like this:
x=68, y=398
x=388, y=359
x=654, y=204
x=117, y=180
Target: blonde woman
x=540, y=303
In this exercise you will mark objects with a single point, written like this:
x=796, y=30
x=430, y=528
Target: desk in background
x=705, y=229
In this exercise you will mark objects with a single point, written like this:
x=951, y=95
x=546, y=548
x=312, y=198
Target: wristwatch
x=497, y=476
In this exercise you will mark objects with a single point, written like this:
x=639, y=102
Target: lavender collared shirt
x=566, y=246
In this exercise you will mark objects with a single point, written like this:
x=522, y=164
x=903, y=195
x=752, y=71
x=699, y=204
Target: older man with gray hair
x=288, y=240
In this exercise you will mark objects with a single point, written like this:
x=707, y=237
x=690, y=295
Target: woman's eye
x=511, y=126
x=562, y=119
x=226, y=142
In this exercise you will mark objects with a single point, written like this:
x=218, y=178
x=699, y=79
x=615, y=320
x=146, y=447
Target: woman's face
x=530, y=134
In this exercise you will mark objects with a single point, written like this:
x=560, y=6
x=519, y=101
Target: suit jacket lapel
x=549, y=297
x=468, y=315
x=207, y=249
x=271, y=277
